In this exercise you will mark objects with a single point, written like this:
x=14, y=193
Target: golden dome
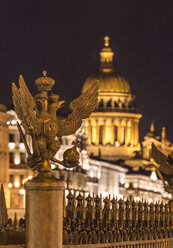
x=108, y=82
x=109, y=79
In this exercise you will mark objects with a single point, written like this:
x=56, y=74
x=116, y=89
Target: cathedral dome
x=109, y=80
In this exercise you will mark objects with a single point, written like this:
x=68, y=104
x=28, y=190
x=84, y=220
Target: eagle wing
x=24, y=106
x=81, y=109
x=162, y=160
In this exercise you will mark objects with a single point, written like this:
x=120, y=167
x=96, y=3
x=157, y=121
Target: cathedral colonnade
x=113, y=130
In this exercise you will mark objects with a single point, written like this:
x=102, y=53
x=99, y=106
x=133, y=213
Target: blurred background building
x=112, y=159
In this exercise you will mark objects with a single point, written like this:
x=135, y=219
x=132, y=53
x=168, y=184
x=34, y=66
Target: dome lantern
x=106, y=56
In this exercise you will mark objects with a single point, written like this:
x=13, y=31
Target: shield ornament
x=50, y=128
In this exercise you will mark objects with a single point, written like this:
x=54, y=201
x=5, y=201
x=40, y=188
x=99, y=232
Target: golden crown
x=44, y=83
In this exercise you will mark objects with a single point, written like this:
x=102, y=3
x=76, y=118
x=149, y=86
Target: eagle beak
x=61, y=103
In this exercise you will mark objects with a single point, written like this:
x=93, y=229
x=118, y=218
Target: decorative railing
x=93, y=220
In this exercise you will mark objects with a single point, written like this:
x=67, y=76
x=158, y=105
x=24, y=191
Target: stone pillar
x=119, y=132
x=128, y=134
x=97, y=132
x=113, y=133
x=104, y=133
x=94, y=132
x=136, y=132
x=44, y=212
x=133, y=134
x=89, y=129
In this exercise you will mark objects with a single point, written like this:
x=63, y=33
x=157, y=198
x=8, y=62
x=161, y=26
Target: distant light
x=26, y=179
x=16, y=184
x=153, y=176
x=119, y=196
x=86, y=164
x=22, y=191
x=91, y=174
x=150, y=200
x=86, y=194
x=13, y=122
x=10, y=185
x=53, y=166
x=66, y=192
x=165, y=194
x=122, y=181
x=98, y=175
x=117, y=143
x=11, y=145
x=126, y=185
x=22, y=147
x=17, y=161
x=105, y=194
x=8, y=122
x=135, y=185
x=137, y=199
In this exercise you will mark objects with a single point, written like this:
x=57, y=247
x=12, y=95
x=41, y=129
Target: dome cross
x=106, y=38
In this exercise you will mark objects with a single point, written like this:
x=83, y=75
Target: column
x=44, y=212
x=94, y=131
x=113, y=133
x=97, y=133
x=132, y=133
x=119, y=132
x=104, y=132
x=89, y=132
x=136, y=132
x=127, y=140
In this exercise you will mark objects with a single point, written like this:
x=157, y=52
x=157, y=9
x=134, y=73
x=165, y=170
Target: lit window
x=22, y=191
x=16, y=184
x=117, y=143
x=11, y=145
x=10, y=185
x=153, y=176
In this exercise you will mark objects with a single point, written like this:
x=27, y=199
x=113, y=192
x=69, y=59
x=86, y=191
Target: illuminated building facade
x=4, y=153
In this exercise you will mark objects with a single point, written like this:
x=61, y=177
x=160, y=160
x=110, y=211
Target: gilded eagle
x=164, y=161
x=39, y=119
x=165, y=167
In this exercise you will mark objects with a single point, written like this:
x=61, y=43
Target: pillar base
x=44, y=212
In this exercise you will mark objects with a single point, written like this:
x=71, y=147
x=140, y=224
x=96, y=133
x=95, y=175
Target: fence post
x=44, y=212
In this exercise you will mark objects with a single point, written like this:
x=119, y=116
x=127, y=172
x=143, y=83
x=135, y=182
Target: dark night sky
x=65, y=38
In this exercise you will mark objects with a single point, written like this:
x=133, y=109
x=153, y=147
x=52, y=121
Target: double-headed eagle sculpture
x=165, y=168
x=39, y=119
